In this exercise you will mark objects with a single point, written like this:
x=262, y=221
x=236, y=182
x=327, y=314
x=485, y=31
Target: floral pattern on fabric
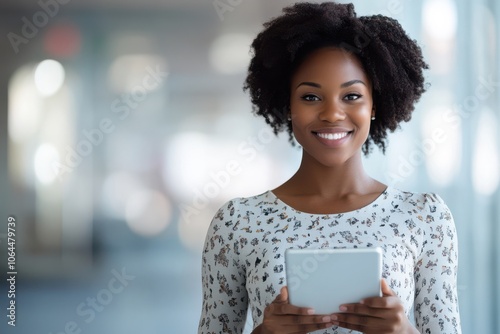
x=243, y=257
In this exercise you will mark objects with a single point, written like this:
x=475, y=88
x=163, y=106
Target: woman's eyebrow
x=307, y=83
x=351, y=82
x=345, y=84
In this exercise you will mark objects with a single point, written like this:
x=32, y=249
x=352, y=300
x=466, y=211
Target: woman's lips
x=332, y=136
x=332, y=139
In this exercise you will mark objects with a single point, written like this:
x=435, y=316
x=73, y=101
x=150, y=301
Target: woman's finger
x=389, y=299
x=386, y=290
x=297, y=320
x=281, y=306
x=282, y=297
x=289, y=309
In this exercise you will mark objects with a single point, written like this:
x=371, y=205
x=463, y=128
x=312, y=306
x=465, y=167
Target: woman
x=337, y=83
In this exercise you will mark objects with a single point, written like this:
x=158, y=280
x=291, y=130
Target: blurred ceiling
x=113, y=4
x=191, y=25
x=273, y=6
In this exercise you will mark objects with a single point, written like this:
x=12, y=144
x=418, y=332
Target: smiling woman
x=331, y=105
x=337, y=83
x=390, y=59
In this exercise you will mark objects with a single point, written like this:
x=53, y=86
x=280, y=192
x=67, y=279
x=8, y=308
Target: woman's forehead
x=330, y=63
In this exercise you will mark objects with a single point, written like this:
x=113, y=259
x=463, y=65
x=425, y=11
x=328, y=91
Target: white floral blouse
x=243, y=256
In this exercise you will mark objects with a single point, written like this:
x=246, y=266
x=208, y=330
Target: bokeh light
x=230, y=53
x=49, y=77
x=486, y=162
x=45, y=156
x=192, y=233
x=24, y=106
x=116, y=191
x=440, y=19
x=442, y=144
x=148, y=212
x=62, y=40
x=129, y=71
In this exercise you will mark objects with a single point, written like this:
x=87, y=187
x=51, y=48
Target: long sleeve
x=225, y=299
x=436, y=300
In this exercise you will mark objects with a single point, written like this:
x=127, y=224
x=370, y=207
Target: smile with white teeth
x=332, y=136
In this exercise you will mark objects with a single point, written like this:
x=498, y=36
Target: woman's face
x=331, y=106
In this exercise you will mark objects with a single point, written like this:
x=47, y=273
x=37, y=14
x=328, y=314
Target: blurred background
x=123, y=128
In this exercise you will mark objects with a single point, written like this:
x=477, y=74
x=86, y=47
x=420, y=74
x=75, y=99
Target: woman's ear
x=373, y=114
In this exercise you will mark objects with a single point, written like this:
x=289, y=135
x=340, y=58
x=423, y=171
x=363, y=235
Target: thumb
x=283, y=296
x=386, y=290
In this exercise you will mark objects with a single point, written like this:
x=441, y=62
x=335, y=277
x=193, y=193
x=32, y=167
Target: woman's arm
x=436, y=300
x=225, y=299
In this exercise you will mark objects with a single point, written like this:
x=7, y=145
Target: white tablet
x=324, y=279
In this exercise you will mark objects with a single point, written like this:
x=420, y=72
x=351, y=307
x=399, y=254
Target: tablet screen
x=323, y=279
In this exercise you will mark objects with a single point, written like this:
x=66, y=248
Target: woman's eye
x=352, y=97
x=310, y=98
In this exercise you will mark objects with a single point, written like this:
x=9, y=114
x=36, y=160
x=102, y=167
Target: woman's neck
x=314, y=178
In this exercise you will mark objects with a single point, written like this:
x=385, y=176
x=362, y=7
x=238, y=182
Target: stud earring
x=373, y=117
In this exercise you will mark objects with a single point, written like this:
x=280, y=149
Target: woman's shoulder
x=414, y=197
x=248, y=203
x=237, y=213
x=423, y=203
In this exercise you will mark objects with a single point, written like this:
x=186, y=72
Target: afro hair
x=393, y=62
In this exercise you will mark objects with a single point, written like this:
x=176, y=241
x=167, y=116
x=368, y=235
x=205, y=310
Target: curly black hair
x=393, y=62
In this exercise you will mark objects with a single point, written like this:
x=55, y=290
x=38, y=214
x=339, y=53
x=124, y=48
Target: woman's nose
x=332, y=112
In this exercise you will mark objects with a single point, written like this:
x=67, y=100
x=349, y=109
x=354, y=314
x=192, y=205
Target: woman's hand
x=280, y=317
x=381, y=315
